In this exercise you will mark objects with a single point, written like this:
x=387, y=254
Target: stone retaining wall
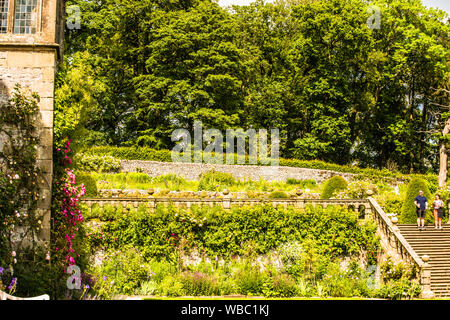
x=191, y=171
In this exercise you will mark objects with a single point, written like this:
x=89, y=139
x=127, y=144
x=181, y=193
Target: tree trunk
x=443, y=156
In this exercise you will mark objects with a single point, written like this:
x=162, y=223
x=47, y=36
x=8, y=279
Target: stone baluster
x=425, y=279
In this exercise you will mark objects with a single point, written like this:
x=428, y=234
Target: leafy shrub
x=408, y=213
x=332, y=186
x=283, y=285
x=278, y=195
x=228, y=286
x=250, y=281
x=199, y=284
x=393, y=206
x=89, y=184
x=352, y=282
x=391, y=271
x=302, y=183
x=399, y=281
x=148, y=288
x=215, y=181
x=96, y=163
x=304, y=289
x=290, y=253
x=171, y=286
x=127, y=268
x=399, y=289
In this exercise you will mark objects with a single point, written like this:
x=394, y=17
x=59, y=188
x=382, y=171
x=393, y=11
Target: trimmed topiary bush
x=408, y=213
x=89, y=183
x=278, y=195
x=332, y=186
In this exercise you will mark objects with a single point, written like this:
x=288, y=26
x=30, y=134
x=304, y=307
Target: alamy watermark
x=235, y=145
x=74, y=280
x=374, y=21
x=73, y=20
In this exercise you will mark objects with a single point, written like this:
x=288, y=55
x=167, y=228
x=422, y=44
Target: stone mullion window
x=21, y=17
x=4, y=9
x=25, y=16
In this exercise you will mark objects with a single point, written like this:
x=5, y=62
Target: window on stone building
x=4, y=16
x=25, y=16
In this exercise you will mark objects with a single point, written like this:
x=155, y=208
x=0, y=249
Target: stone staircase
x=434, y=243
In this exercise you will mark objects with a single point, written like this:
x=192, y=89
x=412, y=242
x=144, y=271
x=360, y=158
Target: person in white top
x=438, y=210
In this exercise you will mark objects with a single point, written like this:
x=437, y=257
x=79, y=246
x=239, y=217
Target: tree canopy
x=338, y=90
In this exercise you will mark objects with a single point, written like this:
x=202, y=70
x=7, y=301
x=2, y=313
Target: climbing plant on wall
x=19, y=173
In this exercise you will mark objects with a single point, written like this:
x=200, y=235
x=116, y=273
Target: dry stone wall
x=192, y=171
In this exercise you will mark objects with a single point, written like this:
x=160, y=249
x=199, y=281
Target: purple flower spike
x=13, y=282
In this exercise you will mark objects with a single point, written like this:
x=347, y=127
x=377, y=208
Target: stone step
x=441, y=275
x=431, y=246
x=441, y=294
x=425, y=235
x=440, y=266
x=427, y=238
x=440, y=286
x=442, y=281
x=441, y=269
x=431, y=250
x=441, y=289
x=432, y=243
x=406, y=225
x=428, y=229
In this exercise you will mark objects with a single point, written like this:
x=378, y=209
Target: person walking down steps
x=438, y=210
x=421, y=203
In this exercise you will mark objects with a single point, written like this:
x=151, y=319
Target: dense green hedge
x=132, y=153
x=408, y=214
x=226, y=233
x=149, y=154
x=333, y=185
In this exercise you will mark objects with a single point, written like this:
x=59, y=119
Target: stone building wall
x=30, y=60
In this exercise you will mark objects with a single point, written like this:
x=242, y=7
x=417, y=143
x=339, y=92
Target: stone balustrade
x=399, y=249
x=361, y=206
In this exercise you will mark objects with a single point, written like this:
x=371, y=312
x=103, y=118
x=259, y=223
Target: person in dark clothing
x=422, y=204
